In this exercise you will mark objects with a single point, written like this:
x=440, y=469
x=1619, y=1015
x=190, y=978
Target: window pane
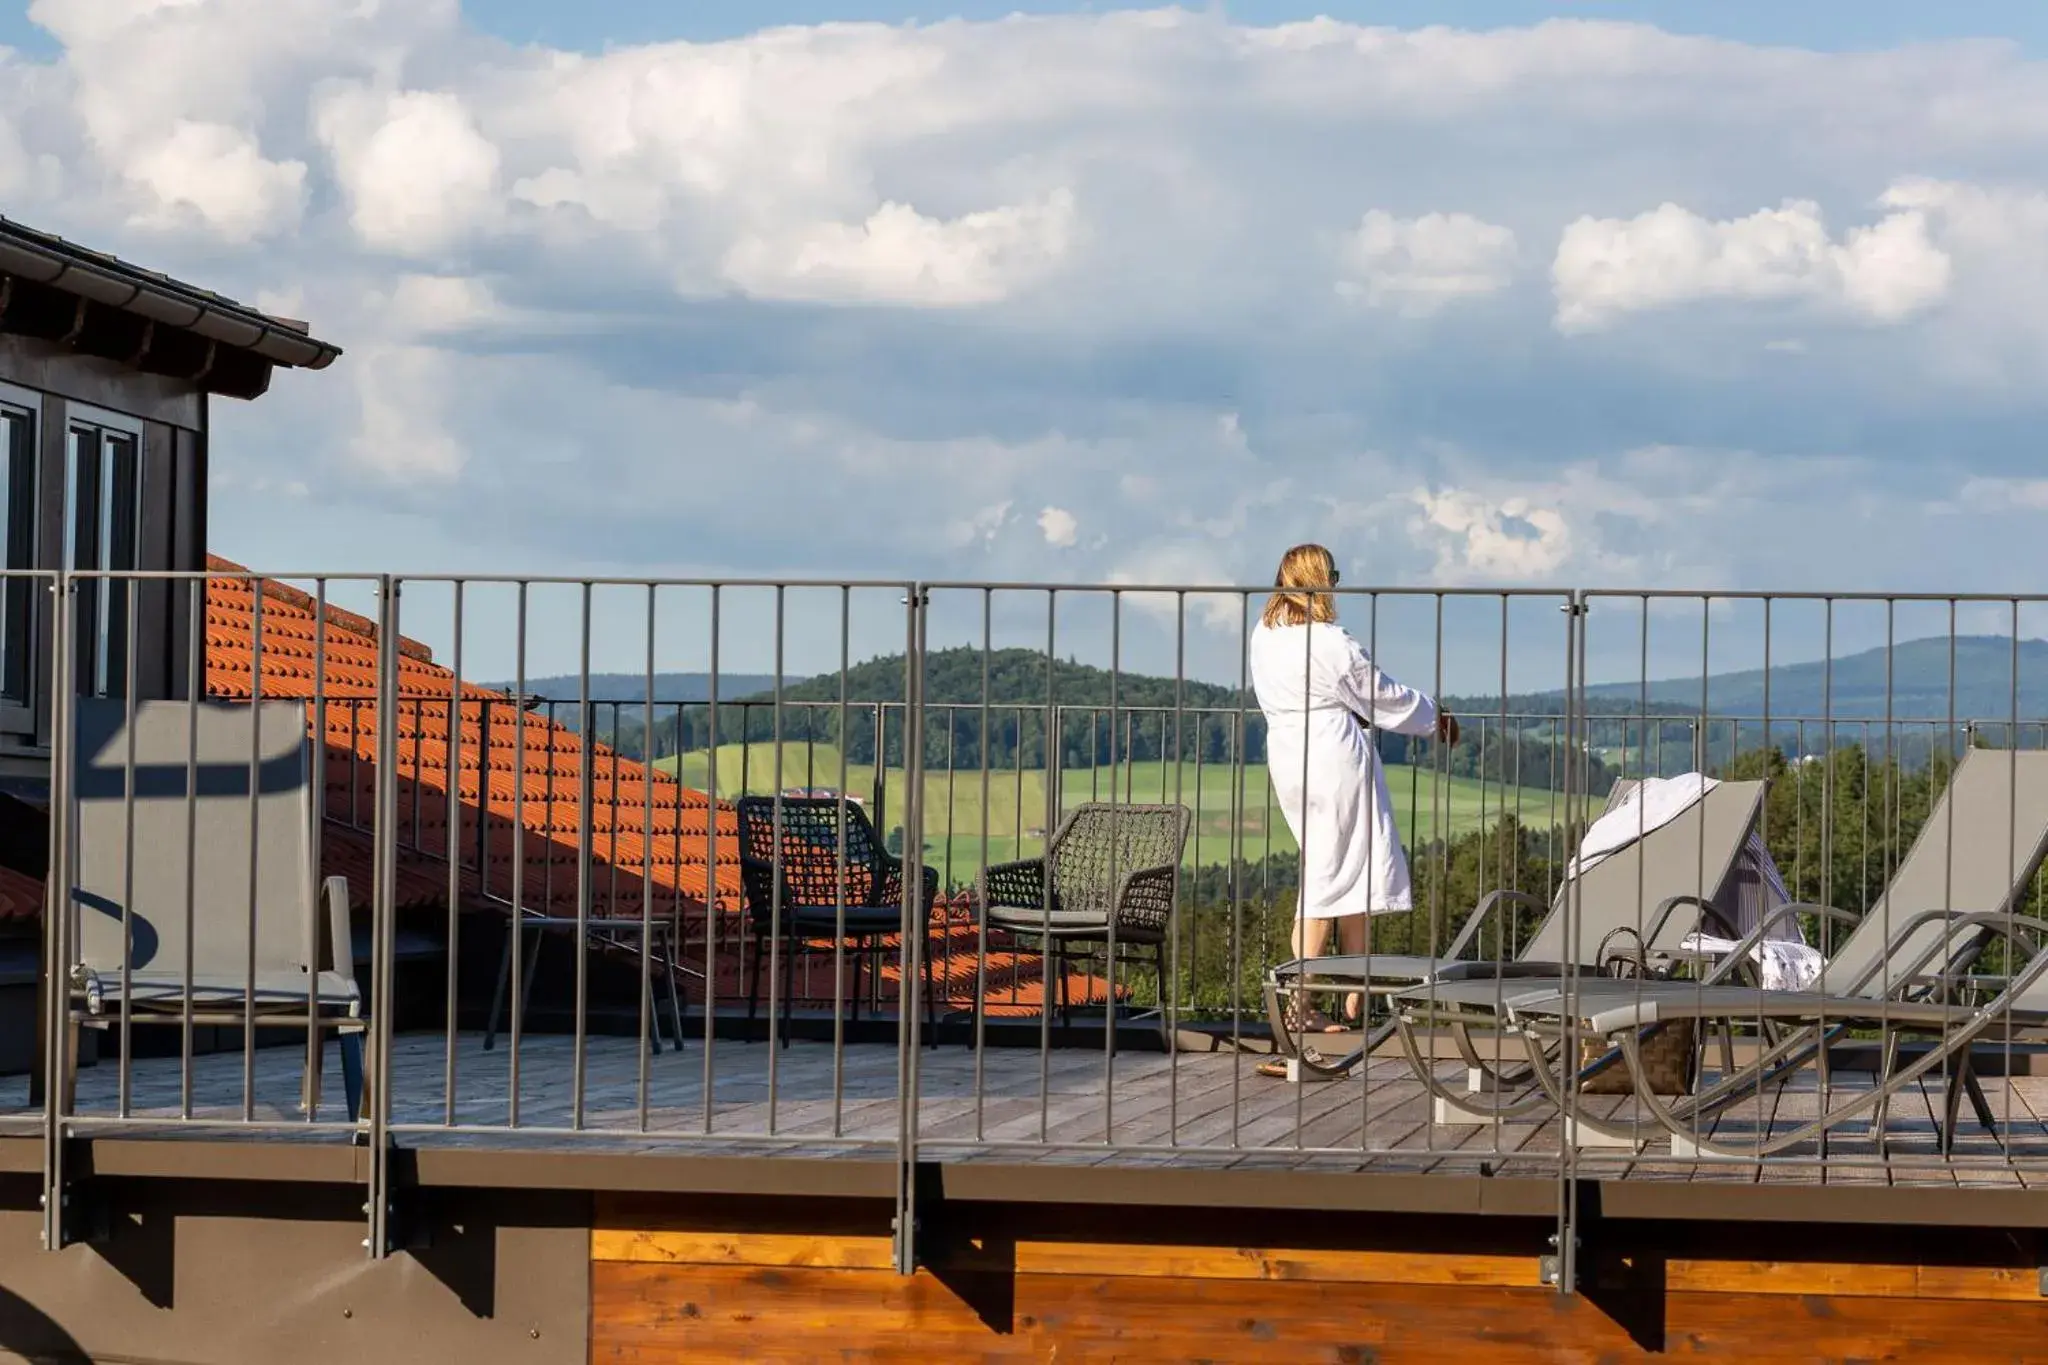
x=102, y=522
x=17, y=549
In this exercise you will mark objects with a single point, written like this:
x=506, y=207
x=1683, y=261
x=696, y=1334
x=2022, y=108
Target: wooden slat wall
x=790, y=1285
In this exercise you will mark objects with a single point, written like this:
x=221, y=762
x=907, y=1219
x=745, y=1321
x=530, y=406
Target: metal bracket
x=81, y=1215
x=404, y=1228
x=2041, y=1281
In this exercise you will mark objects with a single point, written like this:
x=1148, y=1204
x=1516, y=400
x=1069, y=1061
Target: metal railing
x=479, y=830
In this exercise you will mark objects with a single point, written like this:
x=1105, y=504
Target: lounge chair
x=192, y=883
x=1696, y=856
x=1901, y=969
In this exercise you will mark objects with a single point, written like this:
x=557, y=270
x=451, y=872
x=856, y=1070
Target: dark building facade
x=107, y=373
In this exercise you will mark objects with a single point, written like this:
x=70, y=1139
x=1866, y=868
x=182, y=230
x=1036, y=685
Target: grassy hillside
x=1012, y=814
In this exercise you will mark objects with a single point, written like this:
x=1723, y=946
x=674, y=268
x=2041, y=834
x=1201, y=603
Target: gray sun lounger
x=1694, y=856
x=187, y=894
x=1953, y=894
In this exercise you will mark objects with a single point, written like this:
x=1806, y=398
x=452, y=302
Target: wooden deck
x=1074, y=1106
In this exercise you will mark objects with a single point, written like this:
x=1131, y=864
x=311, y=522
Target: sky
x=1669, y=296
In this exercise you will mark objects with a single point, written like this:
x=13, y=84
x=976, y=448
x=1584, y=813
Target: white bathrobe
x=1315, y=685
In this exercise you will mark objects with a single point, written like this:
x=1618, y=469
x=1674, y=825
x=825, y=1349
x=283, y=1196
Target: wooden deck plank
x=1205, y=1109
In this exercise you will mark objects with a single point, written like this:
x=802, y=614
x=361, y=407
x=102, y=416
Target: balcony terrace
x=1020, y=1139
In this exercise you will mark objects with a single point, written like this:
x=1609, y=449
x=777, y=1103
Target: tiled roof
x=517, y=780
x=516, y=776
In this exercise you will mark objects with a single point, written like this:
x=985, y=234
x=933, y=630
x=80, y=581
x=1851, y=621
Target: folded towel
x=1780, y=965
x=1650, y=804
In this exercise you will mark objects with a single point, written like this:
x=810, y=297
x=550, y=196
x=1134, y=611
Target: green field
x=1009, y=821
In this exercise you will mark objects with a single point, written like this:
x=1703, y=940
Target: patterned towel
x=1781, y=965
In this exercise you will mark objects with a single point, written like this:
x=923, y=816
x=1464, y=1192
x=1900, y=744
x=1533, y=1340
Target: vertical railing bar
x=516, y=923
x=195, y=685
x=586, y=804
x=913, y=923
x=777, y=950
x=1577, y=731
x=126, y=1076
x=980, y=904
x=1170, y=1019
x=317, y=815
x=253, y=771
x=845, y=814
x=1050, y=965
x=650, y=1029
x=1194, y=947
x=453, y=842
x=57, y=917
x=1109, y=1006
x=711, y=911
x=1239, y=778
x=385, y=847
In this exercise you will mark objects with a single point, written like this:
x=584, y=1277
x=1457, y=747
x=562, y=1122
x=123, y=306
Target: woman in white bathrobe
x=1319, y=693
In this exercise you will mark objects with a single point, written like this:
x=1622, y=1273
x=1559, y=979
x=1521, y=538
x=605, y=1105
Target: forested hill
x=1214, y=722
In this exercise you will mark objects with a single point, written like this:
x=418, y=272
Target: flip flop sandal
x=1276, y=1067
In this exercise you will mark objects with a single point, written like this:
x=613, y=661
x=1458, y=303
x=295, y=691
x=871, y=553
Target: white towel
x=1650, y=804
x=1780, y=965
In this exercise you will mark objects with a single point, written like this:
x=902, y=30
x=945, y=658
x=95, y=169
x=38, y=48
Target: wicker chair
x=1109, y=876
x=830, y=891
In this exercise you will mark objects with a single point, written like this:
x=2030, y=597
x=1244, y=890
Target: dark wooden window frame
x=103, y=604
x=22, y=412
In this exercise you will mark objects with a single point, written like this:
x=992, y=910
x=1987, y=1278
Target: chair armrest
x=1708, y=912
x=1469, y=934
x=889, y=885
x=1144, y=897
x=1019, y=885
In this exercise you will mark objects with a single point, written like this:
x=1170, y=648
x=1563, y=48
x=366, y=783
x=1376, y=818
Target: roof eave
x=104, y=280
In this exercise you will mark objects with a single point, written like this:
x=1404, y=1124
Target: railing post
x=1562, y=1268
x=56, y=1002
x=915, y=924
x=381, y=1241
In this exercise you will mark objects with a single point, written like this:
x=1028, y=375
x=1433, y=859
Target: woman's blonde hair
x=1303, y=567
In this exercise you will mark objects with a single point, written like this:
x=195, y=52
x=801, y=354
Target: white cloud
x=1606, y=268
x=980, y=526
x=219, y=173
x=901, y=256
x=1511, y=541
x=403, y=436
x=1988, y=494
x=1060, y=527
x=418, y=173
x=1417, y=265
x=441, y=304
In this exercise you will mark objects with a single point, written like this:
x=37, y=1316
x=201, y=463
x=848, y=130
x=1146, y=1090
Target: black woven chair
x=1109, y=876
x=837, y=883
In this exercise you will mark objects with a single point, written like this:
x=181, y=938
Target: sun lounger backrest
x=206, y=838
x=1977, y=851
x=1692, y=855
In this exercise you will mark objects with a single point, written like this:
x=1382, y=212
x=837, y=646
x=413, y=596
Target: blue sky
x=1725, y=296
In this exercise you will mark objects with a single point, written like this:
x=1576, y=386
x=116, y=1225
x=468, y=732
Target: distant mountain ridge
x=632, y=687
x=1910, y=681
